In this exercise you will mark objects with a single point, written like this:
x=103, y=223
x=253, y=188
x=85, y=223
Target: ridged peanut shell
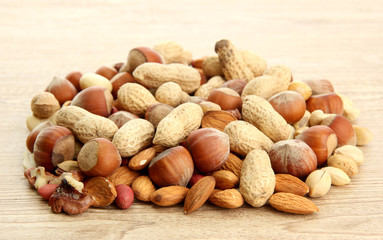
x=244, y=137
x=133, y=136
x=94, y=126
x=152, y=75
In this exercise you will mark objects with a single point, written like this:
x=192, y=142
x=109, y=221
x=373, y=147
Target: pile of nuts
x=166, y=129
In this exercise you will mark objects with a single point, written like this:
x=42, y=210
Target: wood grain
x=338, y=40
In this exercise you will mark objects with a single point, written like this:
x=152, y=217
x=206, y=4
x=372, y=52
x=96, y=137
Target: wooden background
x=338, y=40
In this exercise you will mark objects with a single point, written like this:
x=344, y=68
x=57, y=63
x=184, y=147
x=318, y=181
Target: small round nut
x=93, y=79
x=44, y=105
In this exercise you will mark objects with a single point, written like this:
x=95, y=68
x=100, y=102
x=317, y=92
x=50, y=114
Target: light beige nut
x=211, y=67
x=143, y=188
x=134, y=98
x=257, y=181
x=303, y=122
x=68, y=116
x=94, y=126
x=349, y=110
x=213, y=83
x=301, y=88
x=209, y=106
x=259, y=112
x=44, y=105
x=338, y=176
x=254, y=62
x=152, y=75
x=363, y=135
x=32, y=121
x=229, y=198
x=244, y=137
x=173, y=52
x=169, y=93
x=178, y=124
x=28, y=160
x=93, y=79
x=232, y=62
x=299, y=131
x=133, y=136
x=353, y=152
x=343, y=162
x=281, y=72
x=265, y=86
x=319, y=182
x=318, y=116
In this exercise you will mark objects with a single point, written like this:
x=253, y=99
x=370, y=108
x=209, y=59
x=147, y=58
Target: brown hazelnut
x=44, y=105
x=156, y=112
x=294, y=157
x=289, y=104
x=53, y=145
x=120, y=79
x=62, y=89
x=226, y=98
x=328, y=103
x=98, y=157
x=342, y=128
x=209, y=148
x=30, y=142
x=96, y=100
x=106, y=72
x=122, y=117
x=320, y=86
x=173, y=166
x=74, y=78
x=140, y=55
x=322, y=141
x=236, y=84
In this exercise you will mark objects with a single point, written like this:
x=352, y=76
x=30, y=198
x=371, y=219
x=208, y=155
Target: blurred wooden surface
x=338, y=40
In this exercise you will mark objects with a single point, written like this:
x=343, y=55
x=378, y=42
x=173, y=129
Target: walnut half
x=67, y=199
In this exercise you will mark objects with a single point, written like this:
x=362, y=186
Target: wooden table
x=338, y=40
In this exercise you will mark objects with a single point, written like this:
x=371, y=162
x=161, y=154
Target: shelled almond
x=167, y=128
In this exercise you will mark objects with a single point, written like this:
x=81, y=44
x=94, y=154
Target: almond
x=217, y=119
x=142, y=159
x=233, y=164
x=123, y=175
x=225, y=179
x=169, y=196
x=198, y=194
x=229, y=198
x=291, y=184
x=143, y=188
x=291, y=203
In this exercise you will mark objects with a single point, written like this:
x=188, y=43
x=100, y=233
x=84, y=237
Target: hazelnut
x=209, y=148
x=95, y=99
x=44, y=105
x=53, y=145
x=342, y=128
x=173, y=166
x=140, y=55
x=236, y=84
x=320, y=86
x=156, y=112
x=62, y=89
x=328, y=103
x=118, y=65
x=120, y=79
x=74, y=78
x=106, y=72
x=289, y=104
x=30, y=142
x=122, y=117
x=98, y=157
x=322, y=141
x=294, y=157
x=227, y=98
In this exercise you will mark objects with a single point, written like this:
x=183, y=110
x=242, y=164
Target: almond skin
x=291, y=184
x=233, y=164
x=229, y=198
x=123, y=175
x=199, y=194
x=291, y=203
x=217, y=119
x=225, y=179
x=143, y=188
x=169, y=196
x=142, y=159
